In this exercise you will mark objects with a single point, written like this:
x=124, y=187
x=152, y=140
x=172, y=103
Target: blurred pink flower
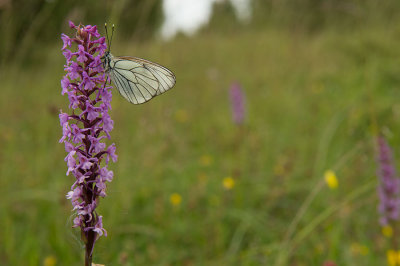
x=389, y=184
x=237, y=102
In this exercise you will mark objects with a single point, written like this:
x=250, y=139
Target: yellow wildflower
x=392, y=257
x=387, y=231
x=331, y=179
x=49, y=261
x=181, y=116
x=175, y=199
x=205, y=160
x=228, y=183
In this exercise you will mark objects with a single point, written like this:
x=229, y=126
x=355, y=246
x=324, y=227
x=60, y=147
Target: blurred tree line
x=32, y=24
x=314, y=15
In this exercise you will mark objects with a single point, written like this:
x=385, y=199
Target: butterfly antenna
x=112, y=34
x=108, y=40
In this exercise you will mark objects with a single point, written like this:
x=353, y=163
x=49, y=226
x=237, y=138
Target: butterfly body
x=137, y=80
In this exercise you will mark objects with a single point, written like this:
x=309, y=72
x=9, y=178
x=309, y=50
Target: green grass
x=314, y=102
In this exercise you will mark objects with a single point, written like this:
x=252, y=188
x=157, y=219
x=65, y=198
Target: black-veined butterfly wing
x=139, y=80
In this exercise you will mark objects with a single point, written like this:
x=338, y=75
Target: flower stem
x=89, y=247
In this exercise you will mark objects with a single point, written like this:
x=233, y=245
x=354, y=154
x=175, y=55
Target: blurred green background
x=321, y=79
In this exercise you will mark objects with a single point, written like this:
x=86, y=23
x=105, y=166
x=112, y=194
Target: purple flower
x=98, y=228
x=96, y=145
x=68, y=55
x=73, y=69
x=389, y=184
x=63, y=118
x=71, y=161
x=105, y=174
x=81, y=54
x=74, y=195
x=72, y=25
x=66, y=40
x=86, y=128
x=91, y=111
x=108, y=123
x=88, y=82
x=65, y=84
x=237, y=102
x=111, y=153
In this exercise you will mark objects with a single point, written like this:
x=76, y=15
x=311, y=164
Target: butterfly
x=137, y=80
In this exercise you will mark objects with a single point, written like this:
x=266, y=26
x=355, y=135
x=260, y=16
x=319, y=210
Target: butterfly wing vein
x=139, y=80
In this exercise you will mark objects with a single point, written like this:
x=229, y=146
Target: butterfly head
x=108, y=56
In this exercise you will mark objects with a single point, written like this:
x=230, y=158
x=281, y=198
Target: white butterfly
x=136, y=79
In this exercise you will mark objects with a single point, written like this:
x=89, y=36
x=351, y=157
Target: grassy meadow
x=314, y=102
